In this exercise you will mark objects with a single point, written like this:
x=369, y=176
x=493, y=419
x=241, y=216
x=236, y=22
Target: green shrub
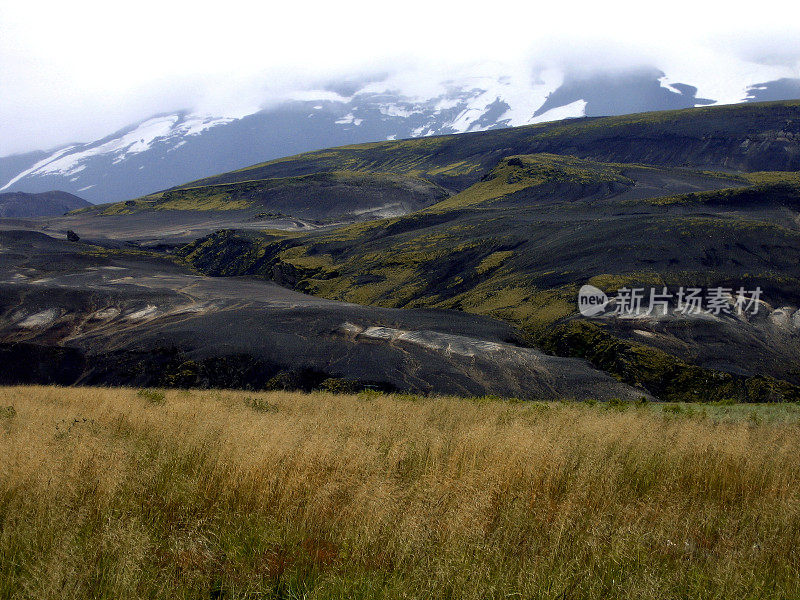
x=616, y=403
x=286, y=380
x=725, y=402
x=487, y=399
x=369, y=394
x=260, y=404
x=337, y=385
x=152, y=396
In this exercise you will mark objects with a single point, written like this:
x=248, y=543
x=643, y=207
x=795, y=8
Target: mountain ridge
x=171, y=148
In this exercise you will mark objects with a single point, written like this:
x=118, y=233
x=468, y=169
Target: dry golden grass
x=106, y=493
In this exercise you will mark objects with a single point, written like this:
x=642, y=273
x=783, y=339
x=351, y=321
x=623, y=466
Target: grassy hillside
x=110, y=493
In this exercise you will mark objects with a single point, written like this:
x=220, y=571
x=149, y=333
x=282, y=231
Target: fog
x=77, y=71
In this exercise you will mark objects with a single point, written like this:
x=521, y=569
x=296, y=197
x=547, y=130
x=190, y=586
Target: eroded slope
x=75, y=313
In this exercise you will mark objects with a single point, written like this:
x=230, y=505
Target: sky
x=77, y=71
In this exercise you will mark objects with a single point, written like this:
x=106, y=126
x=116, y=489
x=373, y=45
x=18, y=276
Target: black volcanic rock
x=68, y=316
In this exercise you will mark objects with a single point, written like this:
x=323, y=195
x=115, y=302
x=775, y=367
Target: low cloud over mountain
x=171, y=148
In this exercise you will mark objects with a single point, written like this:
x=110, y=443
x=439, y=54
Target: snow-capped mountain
x=173, y=148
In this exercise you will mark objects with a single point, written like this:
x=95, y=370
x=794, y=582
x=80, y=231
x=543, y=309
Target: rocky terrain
x=494, y=231
x=76, y=313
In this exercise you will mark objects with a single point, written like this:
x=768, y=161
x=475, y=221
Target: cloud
x=76, y=70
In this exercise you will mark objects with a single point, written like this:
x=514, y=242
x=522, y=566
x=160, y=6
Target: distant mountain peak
x=171, y=148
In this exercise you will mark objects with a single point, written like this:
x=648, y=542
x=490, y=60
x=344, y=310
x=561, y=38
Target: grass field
x=114, y=493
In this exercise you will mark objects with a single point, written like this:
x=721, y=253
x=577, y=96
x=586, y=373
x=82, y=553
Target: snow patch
x=317, y=96
x=394, y=110
x=133, y=142
x=729, y=78
x=349, y=119
x=568, y=111
x=37, y=166
x=666, y=83
x=197, y=124
x=72, y=160
x=471, y=91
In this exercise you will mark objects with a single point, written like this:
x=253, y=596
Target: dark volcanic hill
x=19, y=205
x=389, y=179
x=73, y=313
x=507, y=224
x=742, y=137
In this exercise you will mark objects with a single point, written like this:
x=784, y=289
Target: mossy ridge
x=229, y=253
x=609, y=282
x=660, y=373
x=689, y=225
x=419, y=273
x=451, y=253
x=493, y=261
x=514, y=299
x=689, y=129
x=247, y=194
x=415, y=159
x=520, y=172
x=439, y=269
x=767, y=187
x=299, y=256
x=767, y=178
x=196, y=199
